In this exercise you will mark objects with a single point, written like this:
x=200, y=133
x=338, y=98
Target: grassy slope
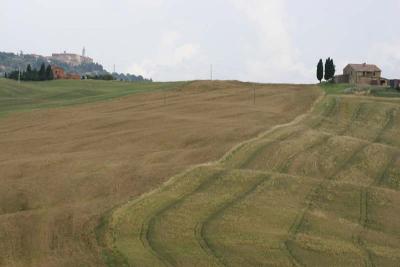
x=27, y=96
x=63, y=169
x=318, y=192
x=335, y=89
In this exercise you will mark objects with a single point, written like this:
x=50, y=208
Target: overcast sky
x=250, y=40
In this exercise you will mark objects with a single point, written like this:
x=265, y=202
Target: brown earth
x=62, y=169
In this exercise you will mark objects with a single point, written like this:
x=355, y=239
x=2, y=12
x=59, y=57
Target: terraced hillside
x=320, y=191
x=68, y=156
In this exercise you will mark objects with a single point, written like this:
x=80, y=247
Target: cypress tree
x=330, y=69
x=320, y=70
x=35, y=75
x=42, y=72
x=327, y=69
x=27, y=75
x=333, y=69
x=49, y=73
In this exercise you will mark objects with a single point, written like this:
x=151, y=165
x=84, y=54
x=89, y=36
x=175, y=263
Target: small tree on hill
x=27, y=75
x=333, y=69
x=327, y=69
x=320, y=70
x=42, y=72
x=49, y=73
x=34, y=76
x=330, y=69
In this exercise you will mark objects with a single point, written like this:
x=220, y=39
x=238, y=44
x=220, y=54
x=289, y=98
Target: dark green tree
x=34, y=75
x=330, y=69
x=327, y=69
x=320, y=70
x=27, y=75
x=42, y=72
x=49, y=73
x=333, y=69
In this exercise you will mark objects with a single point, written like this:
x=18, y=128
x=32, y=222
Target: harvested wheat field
x=322, y=190
x=74, y=164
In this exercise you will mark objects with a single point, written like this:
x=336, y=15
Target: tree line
x=103, y=77
x=326, y=71
x=43, y=74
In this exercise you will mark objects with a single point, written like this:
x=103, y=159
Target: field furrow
x=306, y=194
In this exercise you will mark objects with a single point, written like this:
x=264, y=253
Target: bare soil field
x=320, y=191
x=65, y=171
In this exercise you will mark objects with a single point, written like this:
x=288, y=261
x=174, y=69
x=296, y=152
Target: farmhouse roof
x=56, y=67
x=364, y=67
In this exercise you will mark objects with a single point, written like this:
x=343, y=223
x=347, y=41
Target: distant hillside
x=10, y=62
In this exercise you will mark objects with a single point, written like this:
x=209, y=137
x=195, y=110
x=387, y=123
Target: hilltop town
x=68, y=66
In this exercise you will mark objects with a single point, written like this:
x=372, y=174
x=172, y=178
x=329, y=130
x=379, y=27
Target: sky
x=249, y=40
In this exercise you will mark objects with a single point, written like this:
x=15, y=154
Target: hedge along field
x=321, y=191
x=63, y=169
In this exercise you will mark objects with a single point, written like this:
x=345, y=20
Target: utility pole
x=211, y=72
x=114, y=68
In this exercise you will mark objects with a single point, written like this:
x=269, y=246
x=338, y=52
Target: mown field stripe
x=297, y=224
x=328, y=112
x=250, y=159
x=285, y=168
x=354, y=117
x=310, y=198
x=363, y=221
x=148, y=227
x=388, y=124
x=202, y=228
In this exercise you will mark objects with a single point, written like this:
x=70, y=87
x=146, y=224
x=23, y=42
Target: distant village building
x=58, y=72
x=72, y=76
x=72, y=59
x=395, y=84
x=366, y=74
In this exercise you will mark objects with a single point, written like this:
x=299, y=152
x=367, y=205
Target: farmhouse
x=395, y=84
x=72, y=76
x=367, y=74
x=58, y=72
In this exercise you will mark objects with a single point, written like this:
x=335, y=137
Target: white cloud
x=271, y=56
x=266, y=53
x=387, y=56
x=254, y=40
x=173, y=59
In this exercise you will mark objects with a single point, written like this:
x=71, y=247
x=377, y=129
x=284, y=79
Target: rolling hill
x=197, y=174
x=322, y=190
x=74, y=153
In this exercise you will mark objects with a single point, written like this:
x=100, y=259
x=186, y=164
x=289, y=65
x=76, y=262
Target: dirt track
x=62, y=169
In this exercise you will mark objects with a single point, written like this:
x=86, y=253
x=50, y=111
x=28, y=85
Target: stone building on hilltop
x=72, y=59
x=365, y=74
x=60, y=74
